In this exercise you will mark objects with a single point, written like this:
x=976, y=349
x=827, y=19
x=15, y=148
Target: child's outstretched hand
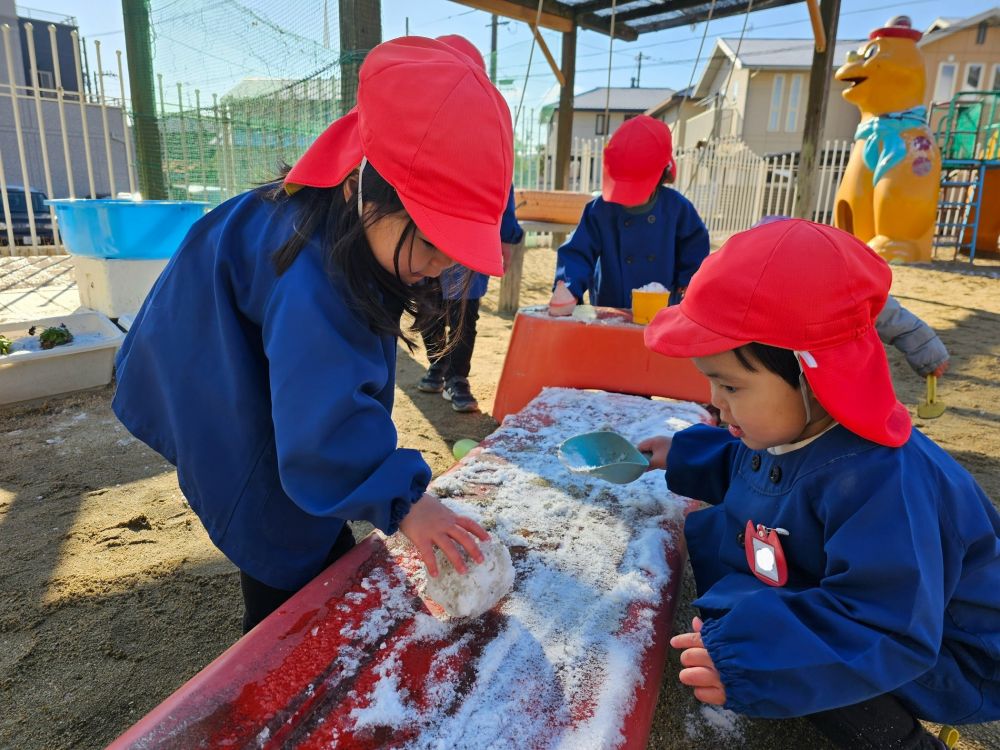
x=699, y=671
x=430, y=523
x=659, y=446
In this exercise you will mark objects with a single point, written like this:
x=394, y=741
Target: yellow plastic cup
x=645, y=305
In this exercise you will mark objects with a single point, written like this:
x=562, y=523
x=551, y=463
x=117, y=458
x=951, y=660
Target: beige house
x=760, y=96
x=675, y=110
x=962, y=55
x=588, y=111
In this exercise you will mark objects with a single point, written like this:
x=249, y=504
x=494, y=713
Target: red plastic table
x=608, y=353
x=573, y=657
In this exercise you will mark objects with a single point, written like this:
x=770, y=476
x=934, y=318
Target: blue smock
x=453, y=278
x=893, y=572
x=614, y=250
x=270, y=394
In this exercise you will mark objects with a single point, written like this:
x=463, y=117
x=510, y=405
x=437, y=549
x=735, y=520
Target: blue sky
x=668, y=56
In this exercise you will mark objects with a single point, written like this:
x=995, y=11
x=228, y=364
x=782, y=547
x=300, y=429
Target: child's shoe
x=458, y=392
x=431, y=382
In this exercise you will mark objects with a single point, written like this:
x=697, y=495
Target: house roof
x=943, y=27
x=622, y=99
x=765, y=54
x=282, y=88
x=676, y=97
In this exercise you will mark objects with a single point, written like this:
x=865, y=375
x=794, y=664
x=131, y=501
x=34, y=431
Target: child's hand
x=699, y=671
x=562, y=301
x=431, y=524
x=659, y=446
x=941, y=369
x=506, y=250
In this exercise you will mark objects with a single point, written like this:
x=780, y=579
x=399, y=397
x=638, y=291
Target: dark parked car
x=19, y=217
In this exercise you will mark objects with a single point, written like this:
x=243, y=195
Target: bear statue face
x=886, y=75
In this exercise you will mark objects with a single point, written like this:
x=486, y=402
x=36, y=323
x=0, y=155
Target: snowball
x=475, y=592
x=653, y=286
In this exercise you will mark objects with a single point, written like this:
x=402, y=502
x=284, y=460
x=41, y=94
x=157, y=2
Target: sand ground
x=113, y=595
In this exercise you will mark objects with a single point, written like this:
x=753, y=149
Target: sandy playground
x=113, y=595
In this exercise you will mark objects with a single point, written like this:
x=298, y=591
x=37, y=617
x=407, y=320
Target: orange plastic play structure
x=607, y=354
x=889, y=194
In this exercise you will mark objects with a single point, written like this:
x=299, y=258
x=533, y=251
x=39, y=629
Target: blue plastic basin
x=125, y=229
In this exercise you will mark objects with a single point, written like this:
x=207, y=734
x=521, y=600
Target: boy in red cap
x=638, y=232
x=262, y=364
x=848, y=569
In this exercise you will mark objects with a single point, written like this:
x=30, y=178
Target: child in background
x=924, y=351
x=638, y=232
x=262, y=364
x=847, y=571
x=450, y=337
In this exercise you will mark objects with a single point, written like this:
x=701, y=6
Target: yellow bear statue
x=888, y=196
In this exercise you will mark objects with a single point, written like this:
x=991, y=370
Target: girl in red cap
x=638, y=232
x=847, y=570
x=262, y=364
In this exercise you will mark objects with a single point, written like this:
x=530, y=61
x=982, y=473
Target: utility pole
x=360, y=30
x=819, y=91
x=148, y=154
x=638, y=76
x=493, y=49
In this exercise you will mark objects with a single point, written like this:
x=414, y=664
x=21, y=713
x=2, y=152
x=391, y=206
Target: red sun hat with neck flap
x=634, y=160
x=467, y=48
x=431, y=123
x=806, y=287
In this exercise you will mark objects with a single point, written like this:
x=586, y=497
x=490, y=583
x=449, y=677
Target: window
x=777, y=92
x=981, y=33
x=996, y=78
x=794, y=97
x=46, y=80
x=601, y=128
x=973, y=76
x=944, y=88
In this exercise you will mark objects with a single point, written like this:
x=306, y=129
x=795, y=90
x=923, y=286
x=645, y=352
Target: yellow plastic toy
x=888, y=196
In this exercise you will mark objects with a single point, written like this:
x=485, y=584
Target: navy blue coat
x=613, y=251
x=893, y=575
x=270, y=394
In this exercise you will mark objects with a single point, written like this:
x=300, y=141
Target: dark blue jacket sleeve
x=692, y=244
x=335, y=441
x=576, y=260
x=510, y=231
x=873, y=624
x=700, y=462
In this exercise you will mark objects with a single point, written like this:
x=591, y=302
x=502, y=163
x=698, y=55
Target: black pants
x=882, y=723
x=260, y=600
x=438, y=335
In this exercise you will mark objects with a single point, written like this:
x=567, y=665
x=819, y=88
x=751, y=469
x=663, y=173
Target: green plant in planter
x=5, y=344
x=53, y=337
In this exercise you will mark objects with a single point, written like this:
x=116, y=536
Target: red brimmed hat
x=806, y=287
x=431, y=123
x=467, y=48
x=634, y=160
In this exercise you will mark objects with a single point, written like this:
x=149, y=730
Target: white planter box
x=85, y=362
x=115, y=287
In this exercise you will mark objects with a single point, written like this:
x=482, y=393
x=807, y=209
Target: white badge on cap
x=765, y=556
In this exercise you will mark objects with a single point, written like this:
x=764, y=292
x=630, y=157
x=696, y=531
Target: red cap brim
x=474, y=244
x=852, y=382
x=673, y=334
x=628, y=192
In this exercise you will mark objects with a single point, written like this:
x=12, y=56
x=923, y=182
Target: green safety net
x=242, y=87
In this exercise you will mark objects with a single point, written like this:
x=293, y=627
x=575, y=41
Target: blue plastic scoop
x=606, y=455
